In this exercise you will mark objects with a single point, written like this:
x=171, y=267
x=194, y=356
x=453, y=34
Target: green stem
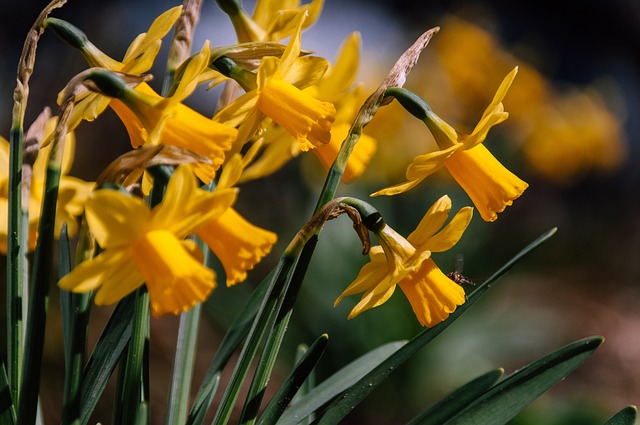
x=38, y=302
x=181, y=377
x=16, y=257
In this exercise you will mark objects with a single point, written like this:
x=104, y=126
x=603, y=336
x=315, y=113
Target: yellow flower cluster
x=293, y=102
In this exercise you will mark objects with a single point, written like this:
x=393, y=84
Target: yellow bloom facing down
x=72, y=192
x=488, y=183
x=238, y=244
x=142, y=245
x=407, y=263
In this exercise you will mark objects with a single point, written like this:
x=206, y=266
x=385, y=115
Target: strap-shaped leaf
x=505, y=400
x=361, y=389
x=232, y=339
x=7, y=410
x=626, y=416
x=336, y=383
x=105, y=356
x=458, y=400
x=298, y=375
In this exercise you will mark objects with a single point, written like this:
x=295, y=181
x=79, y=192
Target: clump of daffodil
x=138, y=59
x=238, y=244
x=151, y=119
x=142, y=245
x=278, y=96
x=336, y=87
x=72, y=192
x=407, y=263
x=490, y=185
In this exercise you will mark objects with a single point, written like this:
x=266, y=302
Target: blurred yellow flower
x=406, y=262
x=488, y=183
x=72, y=192
x=143, y=245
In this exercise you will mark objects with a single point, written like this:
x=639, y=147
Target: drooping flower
x=151, y=119
x=72, y=192
x=238, y=244
x=278, y=96
x=490, y=185
x=140, y=244
x=138, y=59
x=407, y=263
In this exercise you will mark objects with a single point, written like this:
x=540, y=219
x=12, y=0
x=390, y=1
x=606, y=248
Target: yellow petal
x=488, y=183
x=451, y=233
x=115, y=219
x=238, y=244
x=124, y=280
x=432, y=221
x=91, y=274
x=432, y=295
x=175, y=279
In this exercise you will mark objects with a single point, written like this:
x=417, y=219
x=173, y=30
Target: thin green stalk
x=133, y=386
x=37, y=316
x=16, y=257
x=263, y=321
x=182, y=374
x=75, y=331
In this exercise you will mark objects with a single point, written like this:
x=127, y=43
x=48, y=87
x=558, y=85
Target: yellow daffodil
x=152, y=119
x=336, y=87
x=143, y=245
x=137, y=60
x=238, y=244
x=72, y=192
x=272, y=20
x=279, y=97
x=407, y=263
x=488, y=183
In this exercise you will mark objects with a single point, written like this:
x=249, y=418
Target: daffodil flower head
x=407, y=263
x=278, y=96
x=238, y=244
x=143, y=245
x=490, y=185
x=151, y=119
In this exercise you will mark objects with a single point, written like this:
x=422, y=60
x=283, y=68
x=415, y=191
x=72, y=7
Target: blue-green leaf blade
x=458, y=400
x=505, y=400
x=626, y=416
x=336, y=383
x=290, y=386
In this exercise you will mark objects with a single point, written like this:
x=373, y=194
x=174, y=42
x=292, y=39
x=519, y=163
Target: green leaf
x=361, y=389
x=298, y=375
x=105, y=356
x=232, y=339
x=7, y=410
x=337, y=383
x=505, y=400
x=458, y=400
x=626, y=416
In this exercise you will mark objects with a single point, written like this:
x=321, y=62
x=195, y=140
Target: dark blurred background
x=572, y=135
